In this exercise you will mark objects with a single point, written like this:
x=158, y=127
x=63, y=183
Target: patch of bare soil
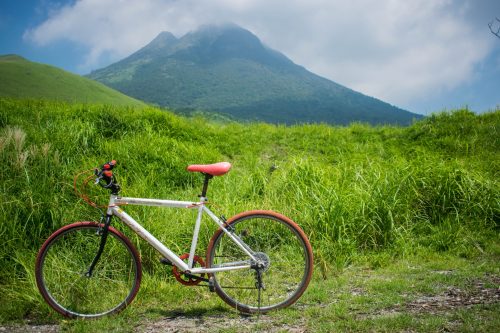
x=30, y=329
x=454, y=297
x=477, y=293
x=182, y=323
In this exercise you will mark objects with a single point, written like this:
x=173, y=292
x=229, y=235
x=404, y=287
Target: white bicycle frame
x=114, y=209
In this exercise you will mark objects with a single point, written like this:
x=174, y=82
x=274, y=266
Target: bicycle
x=256, y=261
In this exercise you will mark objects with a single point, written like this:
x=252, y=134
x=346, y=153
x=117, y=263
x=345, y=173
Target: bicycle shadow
x=200, y=318
x=190, y=313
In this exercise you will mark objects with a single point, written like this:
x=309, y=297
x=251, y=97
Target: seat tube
x=196, y=231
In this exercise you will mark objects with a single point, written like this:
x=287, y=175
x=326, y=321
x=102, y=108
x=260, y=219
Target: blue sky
x=421, y=55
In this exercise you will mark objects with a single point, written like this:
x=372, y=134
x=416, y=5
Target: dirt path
x=181, y=323
x=452, y=298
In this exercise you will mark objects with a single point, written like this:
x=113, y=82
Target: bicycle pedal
x=165, y=261
x=211, y=284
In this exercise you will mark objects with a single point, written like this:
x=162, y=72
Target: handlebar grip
x=109, y=165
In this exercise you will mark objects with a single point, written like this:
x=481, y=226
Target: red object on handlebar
x=109, y=165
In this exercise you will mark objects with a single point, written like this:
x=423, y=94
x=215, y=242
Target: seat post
x=205, y=185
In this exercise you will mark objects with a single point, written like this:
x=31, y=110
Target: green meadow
x=403, y=221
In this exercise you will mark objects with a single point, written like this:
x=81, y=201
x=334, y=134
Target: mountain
x=22, y=78
x=228, y=70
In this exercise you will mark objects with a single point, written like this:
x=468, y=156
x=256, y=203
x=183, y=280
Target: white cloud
x=399, y=51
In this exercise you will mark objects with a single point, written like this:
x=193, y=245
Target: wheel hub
x=262, y=261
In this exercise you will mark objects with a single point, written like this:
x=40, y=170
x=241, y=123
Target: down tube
x=144, y=234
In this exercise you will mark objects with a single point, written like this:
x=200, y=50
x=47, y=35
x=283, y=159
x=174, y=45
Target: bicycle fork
x=104, y=236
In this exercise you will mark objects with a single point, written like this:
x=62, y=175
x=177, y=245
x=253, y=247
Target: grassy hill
x=367, y=197
x=25, y=79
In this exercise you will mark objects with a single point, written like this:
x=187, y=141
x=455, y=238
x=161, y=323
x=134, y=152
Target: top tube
x=115, y=200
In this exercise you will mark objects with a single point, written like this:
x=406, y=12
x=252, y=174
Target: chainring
x=188, y=280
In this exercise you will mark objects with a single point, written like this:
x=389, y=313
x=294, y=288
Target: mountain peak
x=164, y=37
x=216, y=43
x=208, y=44
x=228, y=33
x=163, y=41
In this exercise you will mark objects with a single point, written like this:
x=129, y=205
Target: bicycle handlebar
x=105, y=177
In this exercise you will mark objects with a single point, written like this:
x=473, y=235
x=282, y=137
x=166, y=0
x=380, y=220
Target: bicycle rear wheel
x=65, y=258
x=279, y=242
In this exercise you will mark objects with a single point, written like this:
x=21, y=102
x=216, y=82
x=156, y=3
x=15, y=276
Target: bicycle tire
x=290, y=262
x=64, y=259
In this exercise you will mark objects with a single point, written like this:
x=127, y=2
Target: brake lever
x=97, y=180
x=99, y=176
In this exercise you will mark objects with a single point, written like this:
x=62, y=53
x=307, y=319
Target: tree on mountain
x=495, y=27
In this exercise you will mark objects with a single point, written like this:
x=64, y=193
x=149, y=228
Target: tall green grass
x=354, y=190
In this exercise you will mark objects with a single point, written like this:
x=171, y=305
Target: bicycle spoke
x=281, y=250
x=65, y=260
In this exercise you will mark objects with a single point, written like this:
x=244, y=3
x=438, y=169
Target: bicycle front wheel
x=275, y=240
x=64, y=260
